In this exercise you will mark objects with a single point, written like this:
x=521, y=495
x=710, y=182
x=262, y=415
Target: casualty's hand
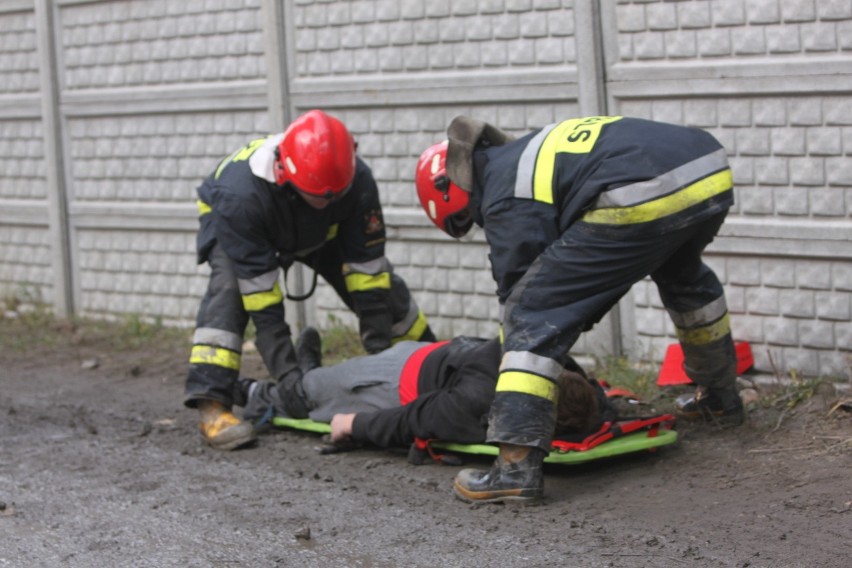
x=341, y=427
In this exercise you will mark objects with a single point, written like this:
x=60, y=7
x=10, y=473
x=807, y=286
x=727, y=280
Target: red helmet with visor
x=316, y=156
x=445, y=203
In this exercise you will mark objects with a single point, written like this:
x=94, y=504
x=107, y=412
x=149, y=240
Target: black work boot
x=722, y=406
x=515, y=476
x=309, y=349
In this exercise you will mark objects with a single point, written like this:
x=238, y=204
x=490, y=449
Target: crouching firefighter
x=301, y=196
x=575, y=213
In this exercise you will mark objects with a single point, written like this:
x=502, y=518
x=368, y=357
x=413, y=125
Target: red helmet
x=316, y=155
x=445, y=203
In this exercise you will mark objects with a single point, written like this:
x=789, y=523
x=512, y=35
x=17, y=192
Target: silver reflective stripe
x=218, y=337
x=660, y=186
x=401, y=327
x=702, y=316
x=376, y=266
x=526, y=165
x=531, y=363
x=262, y=283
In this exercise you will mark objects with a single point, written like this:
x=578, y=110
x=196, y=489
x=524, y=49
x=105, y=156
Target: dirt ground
x=101, y=466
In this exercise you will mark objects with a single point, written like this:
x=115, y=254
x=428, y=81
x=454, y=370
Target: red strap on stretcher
x=611, y=430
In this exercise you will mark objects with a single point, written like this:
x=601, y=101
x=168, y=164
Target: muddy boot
x=515, y=476
x=721, y=406
x=221, y=429
x=309, y=349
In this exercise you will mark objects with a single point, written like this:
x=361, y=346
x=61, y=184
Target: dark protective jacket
x=593, y=170
x=455, y=388
x=263, y=227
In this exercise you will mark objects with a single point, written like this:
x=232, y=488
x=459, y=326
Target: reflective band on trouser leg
x=524, y=407
x=709, y=356
x=535, y=385
x=259, y=300
x=708, y=333
x=357, y=282
x=217, y=356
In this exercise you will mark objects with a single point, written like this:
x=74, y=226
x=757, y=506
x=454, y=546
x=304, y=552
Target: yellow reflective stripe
x=358, y=282
x=332, y=232
x=203, y=208
x=260, y=300
x=239, y=155
x=705, y=334
x=575, y=136
x=527, y=383
x=687, y=197
x=208, y=355
x=416, y=330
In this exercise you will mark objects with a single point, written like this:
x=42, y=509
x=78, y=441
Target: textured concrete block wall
x=395, y=36
x=18, y=59
x=154, y=42
x=130, y=162
x=25, y=269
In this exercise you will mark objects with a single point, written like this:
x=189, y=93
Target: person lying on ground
x=419, y=390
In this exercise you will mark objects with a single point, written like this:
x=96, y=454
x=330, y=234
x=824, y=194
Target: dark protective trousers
x=579, y=278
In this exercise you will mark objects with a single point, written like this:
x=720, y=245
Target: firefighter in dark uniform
x=575, y=213
x=298, y=196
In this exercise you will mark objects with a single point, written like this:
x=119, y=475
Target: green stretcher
x=646, y=437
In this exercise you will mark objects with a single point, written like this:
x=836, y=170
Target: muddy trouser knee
x=218, y=338
x=695, y=301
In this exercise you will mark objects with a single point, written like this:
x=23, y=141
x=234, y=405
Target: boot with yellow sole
x=221, y=429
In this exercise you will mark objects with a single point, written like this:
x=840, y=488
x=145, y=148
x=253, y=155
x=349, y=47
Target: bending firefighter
x=298, y=196
x=575, y=213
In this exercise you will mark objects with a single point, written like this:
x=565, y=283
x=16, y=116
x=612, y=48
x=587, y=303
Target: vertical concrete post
x=589, y=21
x=279, y=51
x=591, y=88
x=51, y=117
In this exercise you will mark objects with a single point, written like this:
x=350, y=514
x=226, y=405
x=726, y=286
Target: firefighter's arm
x=366, y=270
x=518, y=231
x=255, y=262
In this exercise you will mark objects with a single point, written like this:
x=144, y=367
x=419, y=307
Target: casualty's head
x=316, y=157
x=445, y=203
x=577, y=409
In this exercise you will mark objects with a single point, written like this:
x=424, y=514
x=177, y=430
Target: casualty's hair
x=577, y=408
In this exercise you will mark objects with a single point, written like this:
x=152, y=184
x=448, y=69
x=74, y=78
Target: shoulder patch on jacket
x=373, y=222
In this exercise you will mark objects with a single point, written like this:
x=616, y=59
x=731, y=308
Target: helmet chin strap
x=468, y=237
